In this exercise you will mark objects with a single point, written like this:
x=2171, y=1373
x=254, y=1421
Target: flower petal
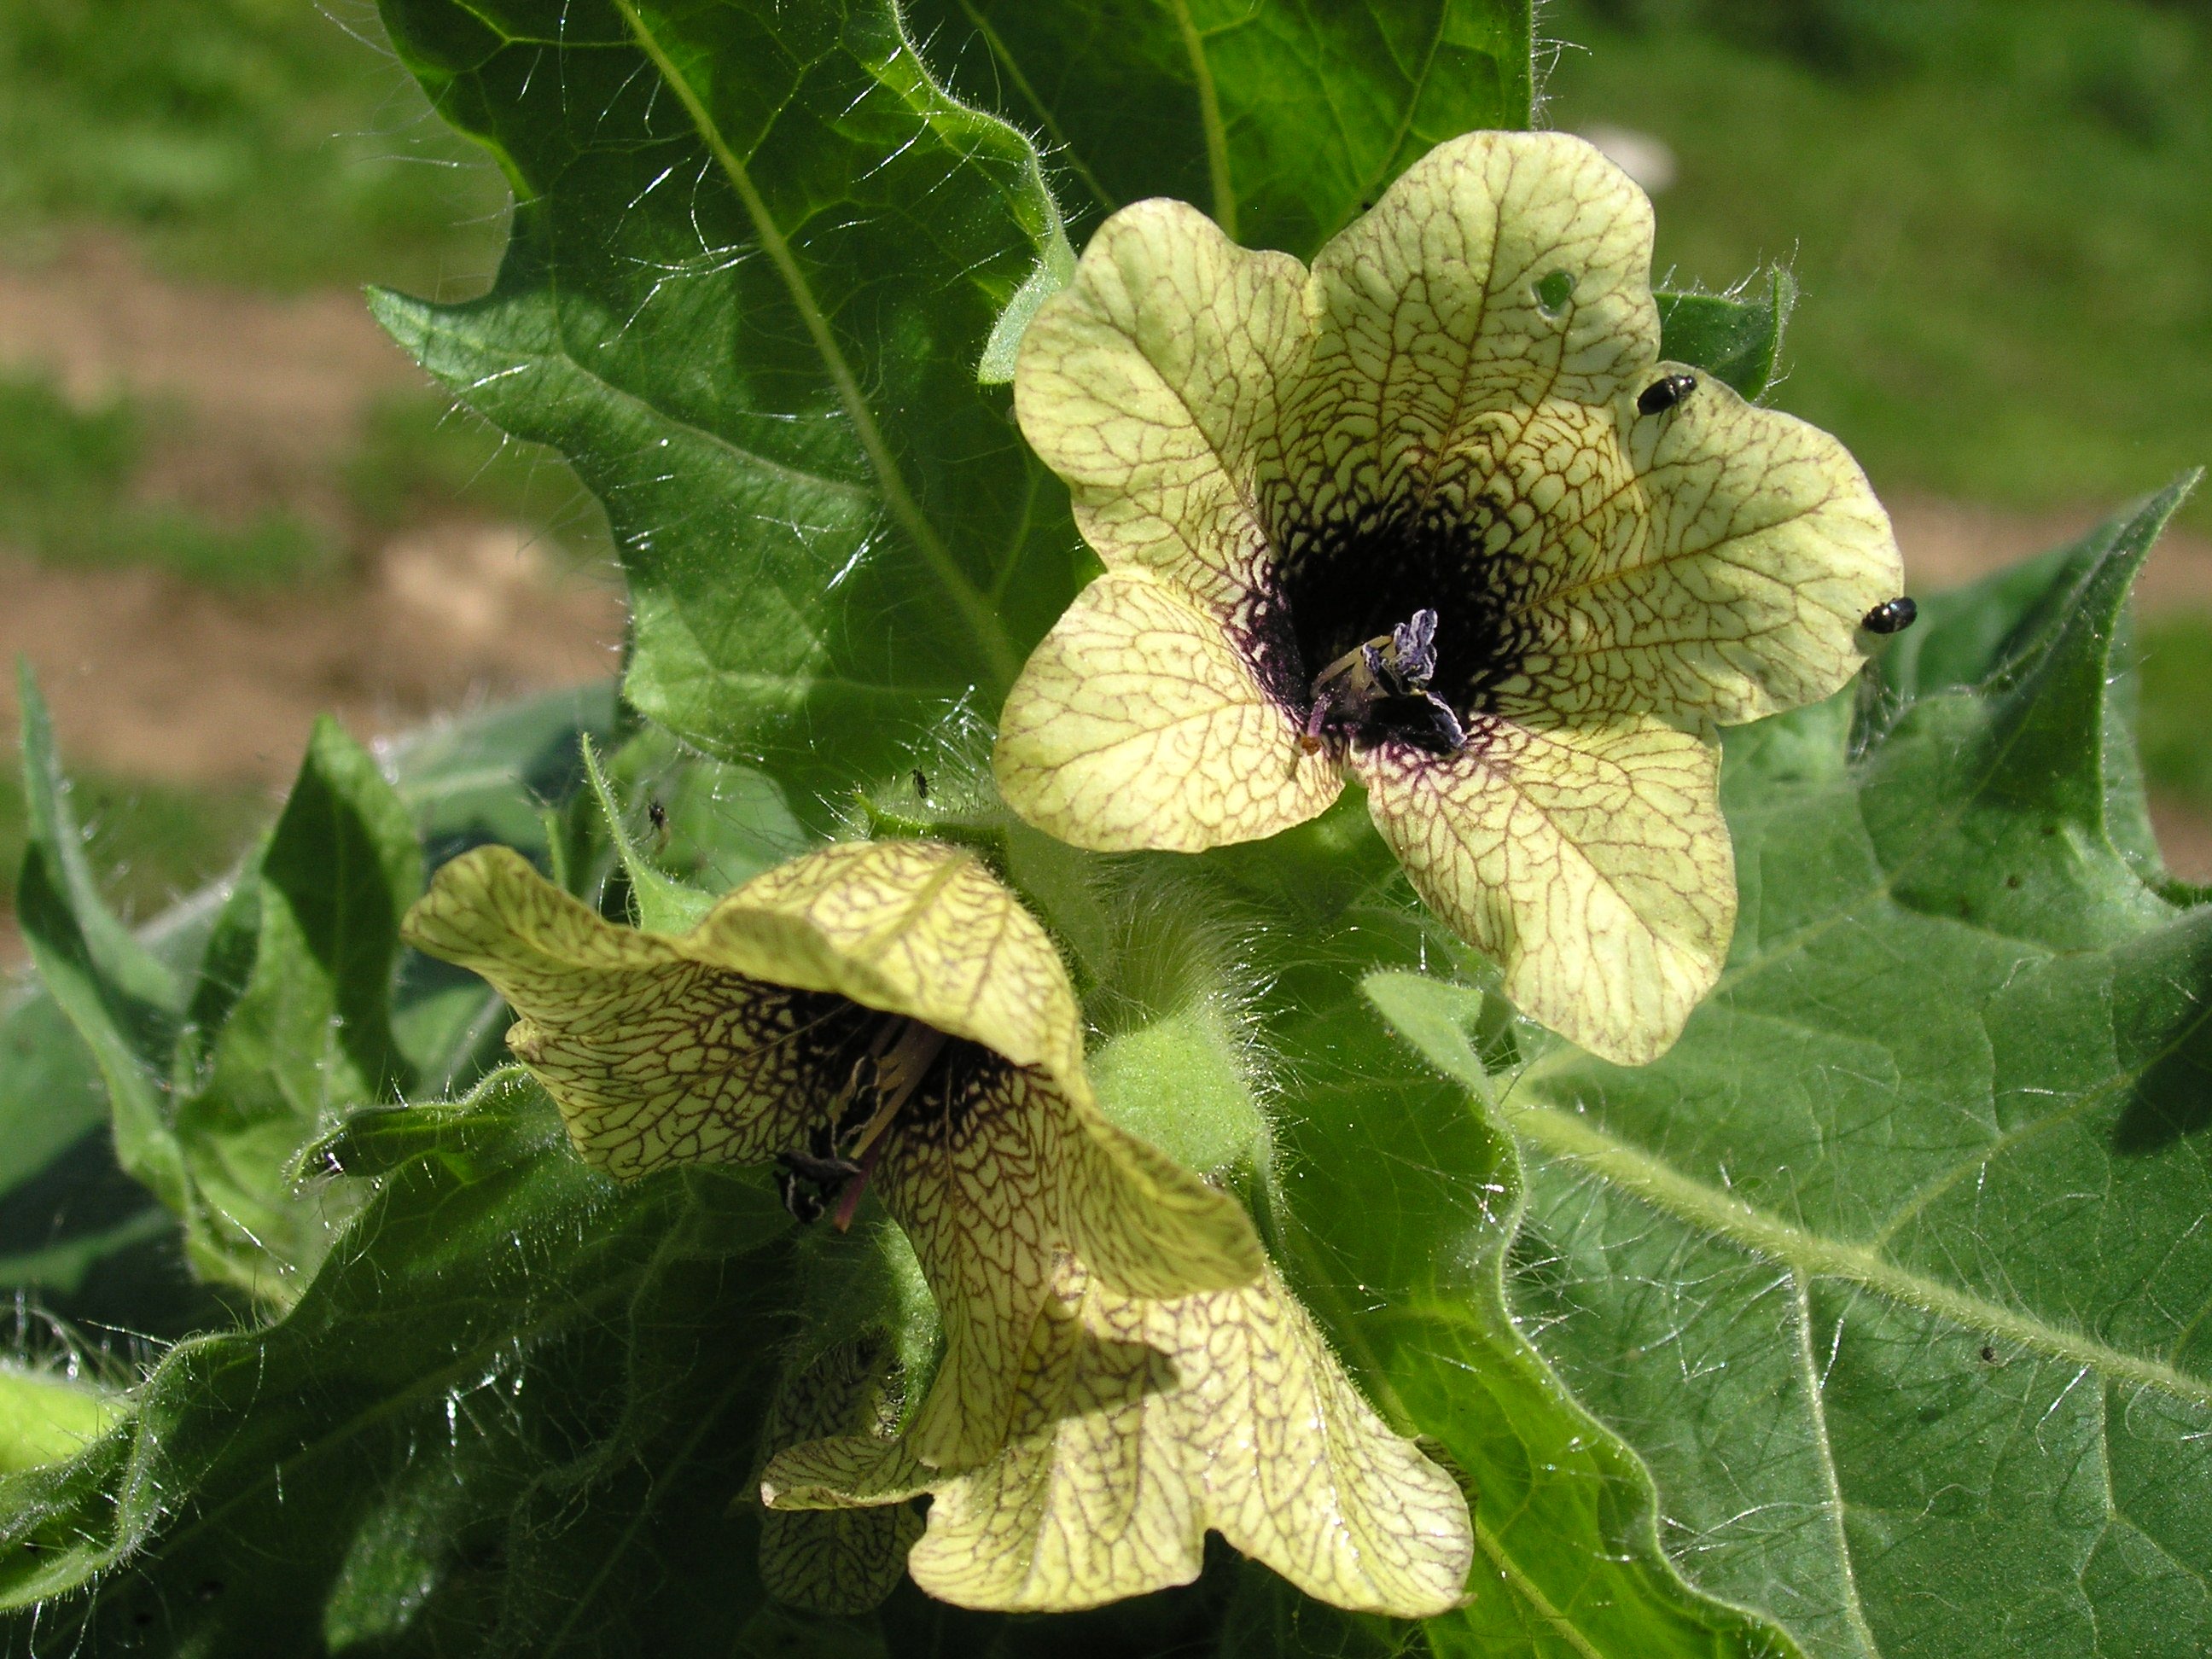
x=1726, y=578
x=1502, y=270
x=846, y=1472
x=911, y=927
x=1148, y=383
x=1142, y=1425
x=844, y=1563
x=980, y=1204
x=989, y=1205
x=1138, y=723
x=663, y=1050
x=1590, y=862
x=676, y=1050
x=1147, y=1225
x=653, y=1057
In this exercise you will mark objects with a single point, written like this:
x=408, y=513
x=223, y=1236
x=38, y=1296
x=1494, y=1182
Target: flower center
x=1393, y=622
x=1351, y=692
x=897, y=1073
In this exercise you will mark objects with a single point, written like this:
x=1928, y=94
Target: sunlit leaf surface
x=757, y=258
x=1895, y=1271
x=1284, y=119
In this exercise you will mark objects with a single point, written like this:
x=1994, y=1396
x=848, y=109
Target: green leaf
x=1282, y=118
x=664, y=904
x=1894, y=1269
x=83, y=1238
x=124, y=1002
x=45, y=1416
x=510, y=1415
x=1736, y=338
x=1391, y=1210
x=757, y=256
x=292, y=1017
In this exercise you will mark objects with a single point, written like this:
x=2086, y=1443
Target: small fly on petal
x=1617, y=550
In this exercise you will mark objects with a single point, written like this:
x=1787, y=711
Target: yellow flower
x=840, y=1561
x=1144, y=1423
x=882, y=1014
x=1433, y=514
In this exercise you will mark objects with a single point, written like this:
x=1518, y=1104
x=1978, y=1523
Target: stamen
x=898, y=1074
x=1413, y=646
x=845, y=1144
x=848, y=1201
x=1396, y=666
x=842, y=1157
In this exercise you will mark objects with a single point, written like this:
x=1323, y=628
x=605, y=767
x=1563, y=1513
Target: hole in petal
x=1553, y=292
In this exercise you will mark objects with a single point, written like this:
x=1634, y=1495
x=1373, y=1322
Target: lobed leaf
x=1736, y=338
x=1391, y=1210
x=508, y=1415
x=77, y=1232
x=757, y=255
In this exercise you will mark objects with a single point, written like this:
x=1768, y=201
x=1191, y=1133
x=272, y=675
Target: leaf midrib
x=990, y=634
x=1573, y=1137
x=1209, y=115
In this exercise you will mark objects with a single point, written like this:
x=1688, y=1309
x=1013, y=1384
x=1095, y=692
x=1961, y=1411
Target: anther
x=842, y=1152
x=1663, y=393
x=1392, y=667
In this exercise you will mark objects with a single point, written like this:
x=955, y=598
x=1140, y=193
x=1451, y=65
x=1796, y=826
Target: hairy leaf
x=510, y=1415
x=1391, y=1207
x=288, y=1023
x=757, y=256
x=1737, y=338
x=79, y=1234
x=1283, y=120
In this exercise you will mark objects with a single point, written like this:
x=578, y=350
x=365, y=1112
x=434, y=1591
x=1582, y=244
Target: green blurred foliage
x=66, y=494
x=151, y=841
x=1988, y=205
x=254, y=140
x=2174, y=720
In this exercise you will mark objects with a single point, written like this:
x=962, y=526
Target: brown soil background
x=149, y=675
x=154, y=677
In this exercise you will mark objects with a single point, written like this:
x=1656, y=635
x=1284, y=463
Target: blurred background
x=227, y=502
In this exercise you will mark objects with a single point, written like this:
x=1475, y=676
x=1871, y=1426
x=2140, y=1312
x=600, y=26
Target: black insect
x=1663, y=393
x=1890, y=617
x=921, y=784
x=657, y=815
